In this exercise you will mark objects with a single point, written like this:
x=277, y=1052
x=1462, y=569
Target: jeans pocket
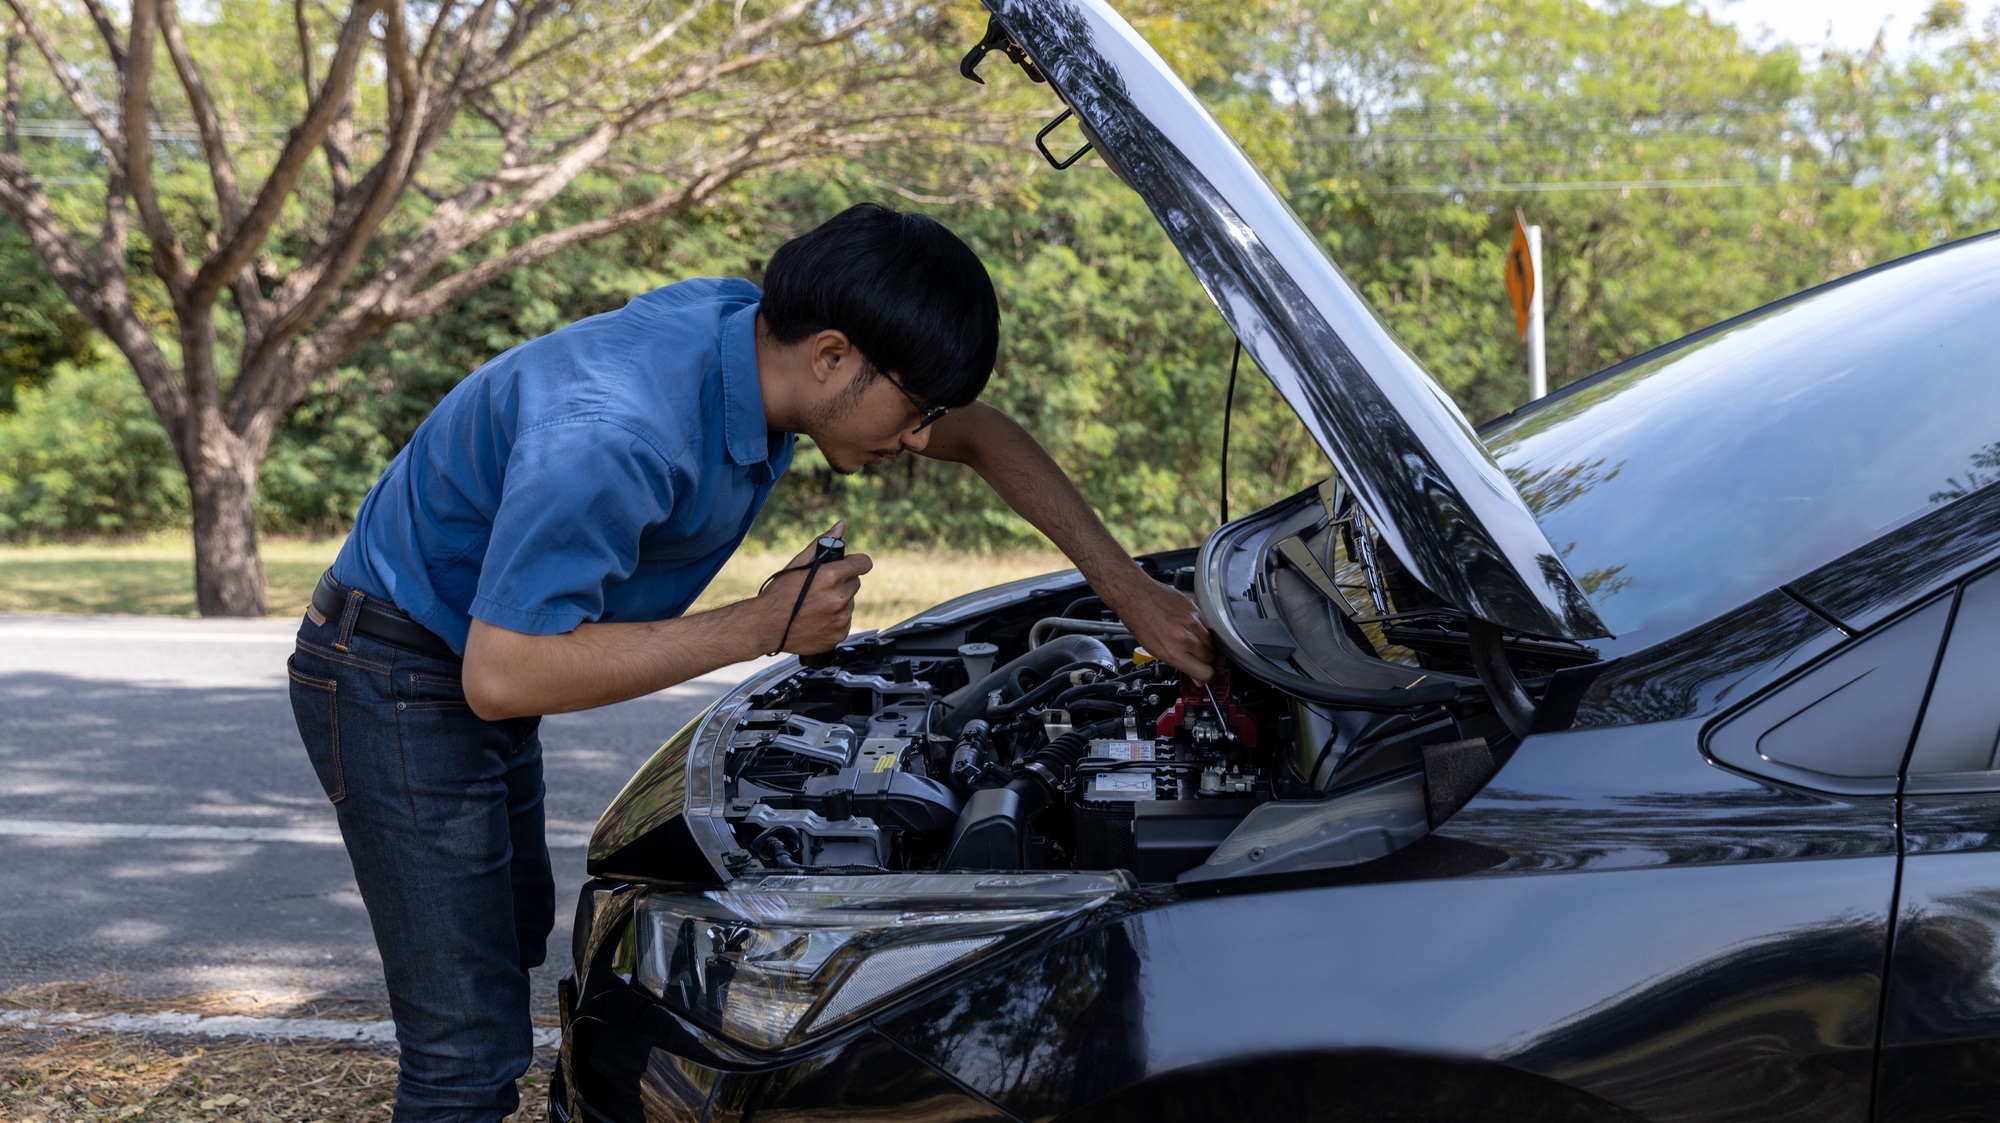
x=429, y=692
x=315, y=708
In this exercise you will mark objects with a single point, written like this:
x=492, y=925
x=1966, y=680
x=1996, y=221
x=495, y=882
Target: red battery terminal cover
x=1213, y=699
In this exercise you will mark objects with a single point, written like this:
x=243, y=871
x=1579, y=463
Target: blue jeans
x=442, y=815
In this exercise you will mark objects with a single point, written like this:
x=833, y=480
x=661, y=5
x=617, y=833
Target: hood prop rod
x=1503, y=686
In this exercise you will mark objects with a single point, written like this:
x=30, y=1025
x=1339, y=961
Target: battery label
x=1121, y=750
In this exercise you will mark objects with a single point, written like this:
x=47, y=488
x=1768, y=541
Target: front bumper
x=626, y=1058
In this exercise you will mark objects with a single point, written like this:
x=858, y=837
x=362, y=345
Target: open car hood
x=1395, y=437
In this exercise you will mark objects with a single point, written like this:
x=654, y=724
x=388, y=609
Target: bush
x=82, y=454
x=326, y=455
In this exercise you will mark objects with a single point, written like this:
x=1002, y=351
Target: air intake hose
x=992, y=831
x=1041, y=775
x=972, y=702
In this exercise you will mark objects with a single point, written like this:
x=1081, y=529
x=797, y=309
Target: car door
x=1940, y=1055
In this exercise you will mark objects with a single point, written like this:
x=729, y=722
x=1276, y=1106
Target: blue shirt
x=602, y=472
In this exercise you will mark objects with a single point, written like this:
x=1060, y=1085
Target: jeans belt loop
x=349, y=614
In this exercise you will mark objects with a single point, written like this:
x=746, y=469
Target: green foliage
x=1111, y=355
x=1675, y=171
x=1679, y=174
x=324, y=460
x=80, y=455
x=38, y=328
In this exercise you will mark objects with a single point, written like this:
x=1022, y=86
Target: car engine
x=1080, y=752
x=1020, y=728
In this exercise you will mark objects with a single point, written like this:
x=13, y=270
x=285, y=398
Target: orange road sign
x=1520, y=275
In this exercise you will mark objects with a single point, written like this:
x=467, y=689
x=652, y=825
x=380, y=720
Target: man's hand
x=1164, y=622
x=1022, y=473
x=511, y=674
x=828, y=610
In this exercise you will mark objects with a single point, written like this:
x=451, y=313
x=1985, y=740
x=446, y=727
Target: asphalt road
x=161, y=830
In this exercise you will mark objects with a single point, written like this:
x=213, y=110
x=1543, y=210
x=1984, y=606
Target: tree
x=1680, y=175
x=421, y=150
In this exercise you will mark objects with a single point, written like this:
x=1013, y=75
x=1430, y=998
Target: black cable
x=1229, y=408
x=825, y=550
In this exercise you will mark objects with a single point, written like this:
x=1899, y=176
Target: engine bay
x=1072, y=755
x=1067, y=749
x=1021, y=728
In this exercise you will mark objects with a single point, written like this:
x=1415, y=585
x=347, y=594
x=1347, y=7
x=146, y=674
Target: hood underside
x=1392, y=433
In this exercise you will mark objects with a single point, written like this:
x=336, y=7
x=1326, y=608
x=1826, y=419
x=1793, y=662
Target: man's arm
x=1023, y=474
x=514, y=674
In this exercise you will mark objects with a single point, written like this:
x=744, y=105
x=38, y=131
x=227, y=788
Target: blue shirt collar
x=747, y=437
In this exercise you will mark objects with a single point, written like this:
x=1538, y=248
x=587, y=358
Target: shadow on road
x=193, y=917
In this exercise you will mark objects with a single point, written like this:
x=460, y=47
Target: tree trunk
x=222, y=485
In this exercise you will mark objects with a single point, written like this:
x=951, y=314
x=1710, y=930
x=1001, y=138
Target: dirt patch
x=56, y=1076
x=113, y=995
x=59, y=1076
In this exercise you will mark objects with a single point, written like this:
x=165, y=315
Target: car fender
x=1351, y=1086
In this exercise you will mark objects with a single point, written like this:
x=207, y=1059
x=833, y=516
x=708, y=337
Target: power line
x=1600, y=185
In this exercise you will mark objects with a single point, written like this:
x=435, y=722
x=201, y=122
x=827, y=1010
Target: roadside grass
x=60, y=1076
x=155, y=577
x=150, y=577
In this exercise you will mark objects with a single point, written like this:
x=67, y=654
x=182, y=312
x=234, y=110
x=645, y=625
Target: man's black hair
x=912, y=298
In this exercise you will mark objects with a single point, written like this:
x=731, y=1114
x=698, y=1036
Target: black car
x=1631, y=759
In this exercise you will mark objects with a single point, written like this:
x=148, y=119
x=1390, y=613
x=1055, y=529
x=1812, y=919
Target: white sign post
x=1538, y=369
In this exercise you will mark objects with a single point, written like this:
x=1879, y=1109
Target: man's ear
x=831, y=349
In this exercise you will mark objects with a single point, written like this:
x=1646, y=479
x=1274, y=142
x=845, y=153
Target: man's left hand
x=1165, y=623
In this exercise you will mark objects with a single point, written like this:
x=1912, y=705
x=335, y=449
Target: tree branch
x=221, y=167
x=364, y=317
x=339, y=138
x=135, y=97
x=317, y=280
x=12, y=109
x=79, y=98
x=103, y=298
x=108, y=30
x=236, y=252
x=302, y=31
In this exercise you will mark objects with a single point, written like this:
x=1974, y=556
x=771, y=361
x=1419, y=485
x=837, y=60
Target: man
x=551, y=522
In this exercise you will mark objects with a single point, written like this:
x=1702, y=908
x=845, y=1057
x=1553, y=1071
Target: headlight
x=770, y=961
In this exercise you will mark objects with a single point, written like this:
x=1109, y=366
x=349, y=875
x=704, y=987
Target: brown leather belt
x=380, y=620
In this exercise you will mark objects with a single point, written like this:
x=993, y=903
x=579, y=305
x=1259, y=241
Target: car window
x=1697, y=479
x=1958, y=745
x=1844, y=724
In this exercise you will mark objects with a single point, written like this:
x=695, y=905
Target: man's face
x=868, y=420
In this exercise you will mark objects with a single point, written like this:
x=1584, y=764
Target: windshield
x=1698, y=478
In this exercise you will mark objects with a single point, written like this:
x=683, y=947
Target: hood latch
x=997, y=39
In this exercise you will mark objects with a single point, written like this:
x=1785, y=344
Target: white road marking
x=132, y=635
x=84, y=633
x=202, y=832
x=268, y=1029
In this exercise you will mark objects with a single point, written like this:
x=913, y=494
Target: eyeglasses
x=925, y=414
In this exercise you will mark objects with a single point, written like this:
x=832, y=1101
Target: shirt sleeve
x=578, y=496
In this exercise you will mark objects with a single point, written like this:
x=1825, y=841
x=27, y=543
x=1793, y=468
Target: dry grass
x=62, y=1075
x=155, y=577
x=903, y=583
